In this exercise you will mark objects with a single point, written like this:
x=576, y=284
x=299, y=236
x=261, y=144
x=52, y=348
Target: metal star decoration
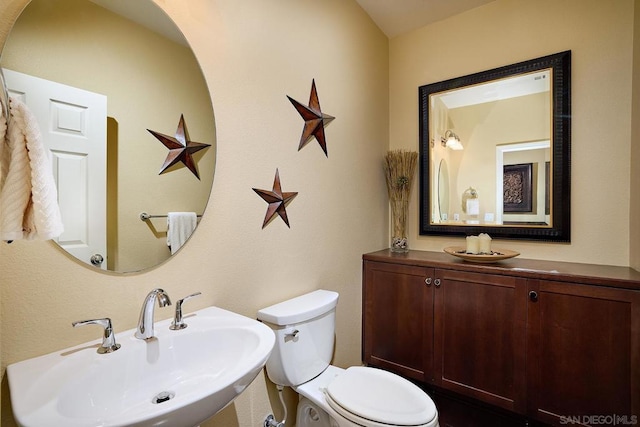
x=180, y=148
x=277, y=200
x=314, y=120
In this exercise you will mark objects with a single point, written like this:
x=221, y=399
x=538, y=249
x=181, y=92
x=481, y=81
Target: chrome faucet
x=145, y=324
x=178, y=323
x=109, y=344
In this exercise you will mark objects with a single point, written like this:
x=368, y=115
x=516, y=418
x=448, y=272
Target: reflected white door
x=73, y=123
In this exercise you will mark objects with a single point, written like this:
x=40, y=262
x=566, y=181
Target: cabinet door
x=584, y=358
x=398, y=318
x=479, y=341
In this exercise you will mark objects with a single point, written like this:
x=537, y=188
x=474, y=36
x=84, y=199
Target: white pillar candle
x=485, y=243
x=473, y=244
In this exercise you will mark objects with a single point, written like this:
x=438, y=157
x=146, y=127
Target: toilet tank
x=305, y=336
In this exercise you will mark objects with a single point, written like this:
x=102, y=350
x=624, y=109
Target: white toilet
x=332, y=396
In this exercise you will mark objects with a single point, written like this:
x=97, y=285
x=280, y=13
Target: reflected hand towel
x=28, y=195
x=180, y=225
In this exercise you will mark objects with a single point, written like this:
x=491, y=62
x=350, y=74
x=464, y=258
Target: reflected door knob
x=97, y=259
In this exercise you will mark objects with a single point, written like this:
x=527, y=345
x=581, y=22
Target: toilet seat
x=374, y=397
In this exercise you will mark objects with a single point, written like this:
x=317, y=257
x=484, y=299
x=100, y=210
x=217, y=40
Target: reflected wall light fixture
x=451, y=140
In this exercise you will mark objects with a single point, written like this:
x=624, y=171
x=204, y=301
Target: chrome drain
x=163, y=396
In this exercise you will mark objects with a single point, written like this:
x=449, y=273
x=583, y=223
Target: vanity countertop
x=601, y=275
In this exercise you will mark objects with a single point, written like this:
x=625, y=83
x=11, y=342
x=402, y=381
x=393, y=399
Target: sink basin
x=178, y=379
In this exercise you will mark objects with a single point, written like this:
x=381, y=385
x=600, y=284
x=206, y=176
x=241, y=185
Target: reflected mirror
x=495, y=152
x=443, y=190
x=113, y=68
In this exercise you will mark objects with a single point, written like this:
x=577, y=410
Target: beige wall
x=634, y=217
x=600, y=36
x=253, y=53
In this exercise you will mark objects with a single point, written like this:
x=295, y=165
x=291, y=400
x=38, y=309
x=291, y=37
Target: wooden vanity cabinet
x=398, y=304
x=547, y=340
x=479, y=336
x=584, y=355
x=458, y=330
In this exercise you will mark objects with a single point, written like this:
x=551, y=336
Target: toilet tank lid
x=299, y=309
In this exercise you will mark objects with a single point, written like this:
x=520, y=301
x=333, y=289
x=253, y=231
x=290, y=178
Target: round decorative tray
x=496, y=255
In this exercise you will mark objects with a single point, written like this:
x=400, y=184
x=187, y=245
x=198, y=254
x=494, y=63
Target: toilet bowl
x=311, y=415
x=361, y=396
x=331, y=396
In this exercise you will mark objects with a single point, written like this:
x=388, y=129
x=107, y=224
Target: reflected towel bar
x=145, y=216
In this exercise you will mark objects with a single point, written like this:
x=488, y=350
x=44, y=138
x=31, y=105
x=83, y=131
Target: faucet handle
x=109, y=344
x=178, y=323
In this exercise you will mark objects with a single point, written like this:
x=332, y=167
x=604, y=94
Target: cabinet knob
x=533, y=296
x=437, y=283
x=427, y=281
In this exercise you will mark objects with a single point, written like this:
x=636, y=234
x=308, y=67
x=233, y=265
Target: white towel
x=180, y=225
x=28, y=195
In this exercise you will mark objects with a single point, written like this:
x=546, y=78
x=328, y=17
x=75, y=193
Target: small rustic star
x=314, y=120
x=180, y=148
x=277, y=200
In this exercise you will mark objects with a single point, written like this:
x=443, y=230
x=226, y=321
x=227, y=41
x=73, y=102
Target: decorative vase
x=399, y=168
x=399, y=240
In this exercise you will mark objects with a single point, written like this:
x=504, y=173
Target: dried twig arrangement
x=399, y=168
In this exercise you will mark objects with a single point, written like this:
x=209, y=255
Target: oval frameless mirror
x=443, y=189
x=109, y=71
x=504, y=135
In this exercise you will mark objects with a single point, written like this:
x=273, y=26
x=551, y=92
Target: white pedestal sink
x=177, y=379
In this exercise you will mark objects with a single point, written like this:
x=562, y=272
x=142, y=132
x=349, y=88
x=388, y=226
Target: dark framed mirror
x=505, y=138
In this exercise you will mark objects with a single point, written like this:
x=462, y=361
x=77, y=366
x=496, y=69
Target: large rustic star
x=314, y=120
x=277, y=200
x=180, y=148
